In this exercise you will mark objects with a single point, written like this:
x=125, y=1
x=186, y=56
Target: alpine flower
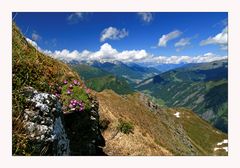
x=75, y=82
x=88, y=90
x=68, y=92
x=65, y=82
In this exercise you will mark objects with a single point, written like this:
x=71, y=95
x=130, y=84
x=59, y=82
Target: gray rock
x=43, y=123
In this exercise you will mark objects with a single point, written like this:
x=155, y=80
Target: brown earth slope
x=156, y=131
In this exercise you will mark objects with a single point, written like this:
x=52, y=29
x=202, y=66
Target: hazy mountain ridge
x=98, y=79
x=133, y=72
x=114, y=75
x=178, y=87
x=163, y=67
x=200, y=87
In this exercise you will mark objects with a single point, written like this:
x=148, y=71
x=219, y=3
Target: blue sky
x=181, y=34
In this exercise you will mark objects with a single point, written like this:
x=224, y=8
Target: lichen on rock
x=43, y=124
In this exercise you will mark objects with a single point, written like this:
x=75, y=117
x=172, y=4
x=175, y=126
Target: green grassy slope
x=202, y=88
x=30, y=67
x=88, y=72
x=99, y=80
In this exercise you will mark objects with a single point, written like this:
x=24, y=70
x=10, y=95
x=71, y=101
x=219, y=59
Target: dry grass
x=120, y=144
x=155, y=132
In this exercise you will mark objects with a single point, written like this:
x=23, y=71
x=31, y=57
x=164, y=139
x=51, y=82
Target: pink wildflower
x=75, y=82
x=88, y=90
x=68, y=92
x=65, y=82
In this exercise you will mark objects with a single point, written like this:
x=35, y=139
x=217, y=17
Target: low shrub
x=125, y=127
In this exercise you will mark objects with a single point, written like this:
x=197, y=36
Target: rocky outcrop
x=84, y=131
x=43, y=122
x=149, y=103
x=50, y=131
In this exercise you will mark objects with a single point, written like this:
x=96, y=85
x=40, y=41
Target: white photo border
x=230, y=6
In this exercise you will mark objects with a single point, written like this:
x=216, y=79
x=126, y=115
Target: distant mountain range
x=140, y=66
x=163, y=67
x=134, y=73
x=98, y=79
x=115, y=75
x=200, y=87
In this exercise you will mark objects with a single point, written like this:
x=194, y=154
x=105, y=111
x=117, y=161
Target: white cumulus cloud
x=146, y=16
x=105, y=53
x=207, y=57
x=108, y=53
x=167, y=37
x=220, y=39
x=113, y=34
x=34, y=44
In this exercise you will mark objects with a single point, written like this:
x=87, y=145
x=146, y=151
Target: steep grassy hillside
x=153, y=130
x=31, y=68
x=99, y=80
x=200, y=87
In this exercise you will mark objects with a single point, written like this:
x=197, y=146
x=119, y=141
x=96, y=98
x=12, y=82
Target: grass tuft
x=125, y=127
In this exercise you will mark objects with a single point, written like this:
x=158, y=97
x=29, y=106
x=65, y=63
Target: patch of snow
x=177, y=114
x=224, y=148
x=225, y=141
